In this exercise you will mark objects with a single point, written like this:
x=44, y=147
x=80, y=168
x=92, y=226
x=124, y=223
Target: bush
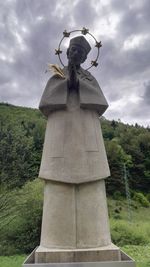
x=148, y=197
x=22, y=234
x=128, y=234
x=117, y=195
x=140, y=198
x=117, y=216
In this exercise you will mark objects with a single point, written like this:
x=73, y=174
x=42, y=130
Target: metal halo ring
x=84, y=31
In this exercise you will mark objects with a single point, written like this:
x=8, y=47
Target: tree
x=116, y=158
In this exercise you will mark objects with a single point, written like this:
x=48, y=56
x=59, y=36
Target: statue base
x=106, y=253
x=109, y=256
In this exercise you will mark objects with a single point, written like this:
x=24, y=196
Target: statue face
x=76, y=54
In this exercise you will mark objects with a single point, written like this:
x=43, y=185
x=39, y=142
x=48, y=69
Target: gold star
x=98, y=44
x=94, y=63
x=58, y=51
x=66, y=34
x=84, y=31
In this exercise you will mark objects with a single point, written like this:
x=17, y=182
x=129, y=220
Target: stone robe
x=73, y=150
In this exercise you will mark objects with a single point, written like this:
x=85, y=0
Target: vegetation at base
x=20, y=221
x=12, y=261
x=21, y=139
x=129, y=234
x=141, y=199
x=139, y=253
x=129, y=227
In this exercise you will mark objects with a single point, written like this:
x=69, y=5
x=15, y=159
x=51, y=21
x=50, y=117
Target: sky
x=30, y=31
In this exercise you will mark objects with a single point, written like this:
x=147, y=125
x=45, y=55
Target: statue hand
x=73, y=80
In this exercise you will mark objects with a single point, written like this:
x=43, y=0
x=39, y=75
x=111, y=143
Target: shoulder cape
x=90, y=94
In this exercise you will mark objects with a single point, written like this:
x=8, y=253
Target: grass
x=12, y=261
x=130, y=229
x=141, y=254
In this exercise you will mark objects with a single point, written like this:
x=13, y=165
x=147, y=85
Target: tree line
x=21, y=140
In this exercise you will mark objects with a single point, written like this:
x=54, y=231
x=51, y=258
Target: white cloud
x=135, y=41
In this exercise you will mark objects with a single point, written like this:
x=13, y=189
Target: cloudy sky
x=30, y=30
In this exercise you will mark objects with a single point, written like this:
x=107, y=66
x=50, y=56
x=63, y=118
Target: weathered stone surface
x=75, y=216
x=74, y=149
x=58, y=223
x=107, y=253
x=55, y=94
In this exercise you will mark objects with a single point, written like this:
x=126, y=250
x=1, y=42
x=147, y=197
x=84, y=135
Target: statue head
x=78, y=50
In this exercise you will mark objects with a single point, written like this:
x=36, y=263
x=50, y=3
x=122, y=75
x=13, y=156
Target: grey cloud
x=146, y=96
x=118, y=63
x=84, y=13
x=134, y=20
x=141, y=110
x=4, y=77
x=28, y=10
x=45, y=27
x=29, y=66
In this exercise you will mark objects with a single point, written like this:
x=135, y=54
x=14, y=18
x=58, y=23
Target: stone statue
x=74, y=163
x=74, y=166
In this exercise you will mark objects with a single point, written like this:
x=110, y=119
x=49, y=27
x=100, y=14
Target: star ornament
x=94, y=63
x=58, y=51
x=66, y=34
x=98, y=44
x=84, y=31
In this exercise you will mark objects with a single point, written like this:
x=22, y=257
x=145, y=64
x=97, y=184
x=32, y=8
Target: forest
x=21, y=140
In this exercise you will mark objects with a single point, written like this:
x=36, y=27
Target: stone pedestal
x=107, y=253
x=108, y=256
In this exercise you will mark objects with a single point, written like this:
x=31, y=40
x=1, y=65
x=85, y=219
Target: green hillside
x=21, y=139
